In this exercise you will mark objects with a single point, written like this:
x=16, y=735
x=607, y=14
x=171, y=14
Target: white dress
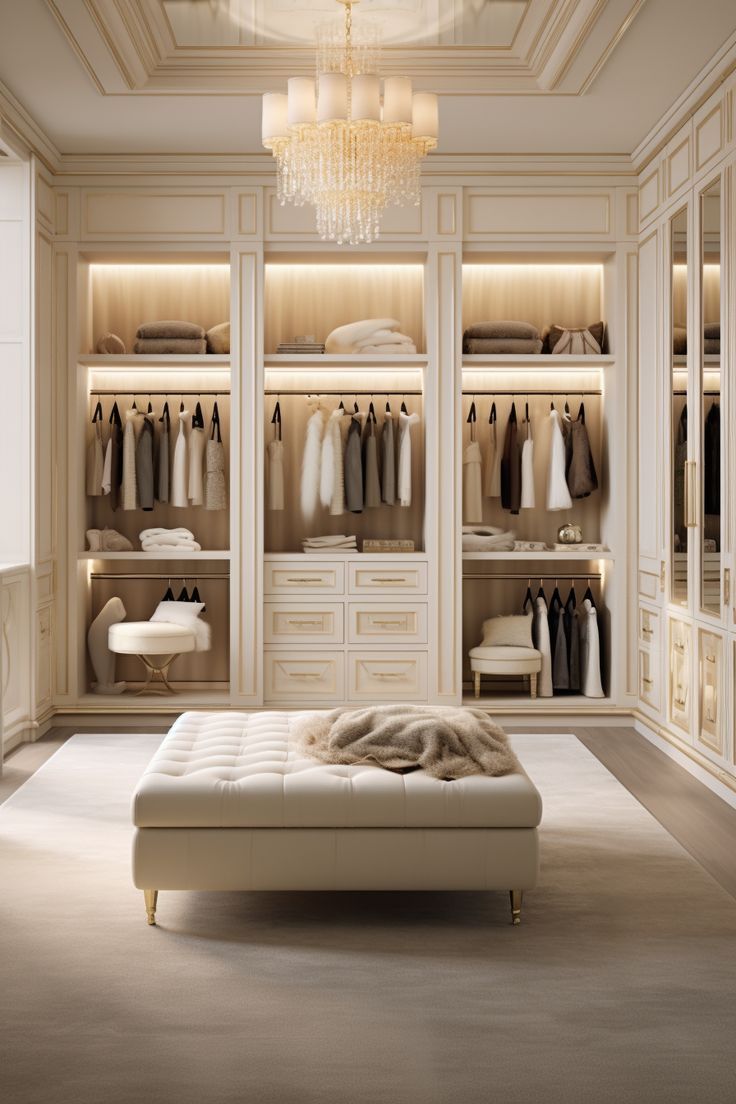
x=331, y=478
x=311, y=464
x=540, y=636
x=179, y=476
x=558, y=495
x=527, y=470
x=472, y=495
x=403, y=479
x=590, y=652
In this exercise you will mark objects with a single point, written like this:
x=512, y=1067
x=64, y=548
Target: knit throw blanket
x=444, y=741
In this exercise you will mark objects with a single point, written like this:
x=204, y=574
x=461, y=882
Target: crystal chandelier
x=342, y=149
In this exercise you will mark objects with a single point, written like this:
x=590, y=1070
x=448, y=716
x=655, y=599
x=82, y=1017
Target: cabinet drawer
x=296, y=577
x=648, y=626
x=386, y=578
x=649, y=691
x=381, y=623
x=303, y=676
x=385, y=676
x=679, y=674
x=712, y=687
x=289, y=622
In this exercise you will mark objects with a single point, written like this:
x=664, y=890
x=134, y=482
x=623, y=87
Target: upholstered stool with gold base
x=157, y=644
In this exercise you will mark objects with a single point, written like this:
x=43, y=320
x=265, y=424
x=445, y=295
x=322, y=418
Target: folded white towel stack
x=337, y=543
x=168, y=540
x=371, y=335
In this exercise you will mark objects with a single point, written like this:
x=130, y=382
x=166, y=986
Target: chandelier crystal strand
x=337, y=148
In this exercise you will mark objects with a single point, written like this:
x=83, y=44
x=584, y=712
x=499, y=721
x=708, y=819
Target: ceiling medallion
x=342, y=148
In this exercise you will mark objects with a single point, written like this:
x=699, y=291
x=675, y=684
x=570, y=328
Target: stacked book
x=300, y=347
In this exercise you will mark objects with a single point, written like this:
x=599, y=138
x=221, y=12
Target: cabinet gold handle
x=710, y=659
x=304, y=676
x=691, y=519
x=647, y=682
x=388, y=674
x=387, y=579
x=389, y=624
x=726, y=585
x=311, y=579
x=679, y=647
x=302, y=624
x=646, y=631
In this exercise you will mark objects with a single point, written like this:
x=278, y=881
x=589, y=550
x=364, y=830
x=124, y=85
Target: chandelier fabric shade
x=341, y=147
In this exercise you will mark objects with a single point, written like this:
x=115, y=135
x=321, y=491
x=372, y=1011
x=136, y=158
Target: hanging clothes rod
x=521, y=392
x=705, y=394
x=319, y=391
x=113, y=391
x=533, y=576
x=195, y=575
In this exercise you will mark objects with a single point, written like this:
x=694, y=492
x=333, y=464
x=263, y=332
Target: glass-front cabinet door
x=681, y=517
x=711, y=529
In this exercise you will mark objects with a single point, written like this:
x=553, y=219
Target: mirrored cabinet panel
x=710, y=385
x=681, y=473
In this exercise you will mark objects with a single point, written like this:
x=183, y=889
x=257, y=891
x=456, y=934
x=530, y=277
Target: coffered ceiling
x=146, y=77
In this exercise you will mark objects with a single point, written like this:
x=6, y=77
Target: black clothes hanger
x=552, y=404
x=371, y=413
x=403, y=407
x=198, y=419
x=512, y=415
x=581, y=413
x=540, y=592
x=588, y=596
x=97, y=416
x=184, y=594
x=388, y=406
x=150, y=407
x=134, y=407
x=341, y=406
x=356, y=408
x=169, y=595
x=526, y=411
x=572, y=599
x=472, y=416
x=492, y=417
x=194, y=597
x=275, y=420
x=181, y=407
x=165, y=416
x=528, y=597
x=115, y=418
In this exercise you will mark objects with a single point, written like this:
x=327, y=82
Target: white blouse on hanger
x=558, y=495
x=403, y=481
x=528, y=500
x=179, y=475
x=311, y=463
x=540, y=636
x=590, y=652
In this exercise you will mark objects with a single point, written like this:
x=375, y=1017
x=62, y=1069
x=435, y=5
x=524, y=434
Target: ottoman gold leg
x=476, y=681
x=515, y=895
x=151, y=897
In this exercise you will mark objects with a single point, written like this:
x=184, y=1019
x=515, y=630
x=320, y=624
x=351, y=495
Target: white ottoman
x=227, y=803
x=496, y=659
x=157, y=644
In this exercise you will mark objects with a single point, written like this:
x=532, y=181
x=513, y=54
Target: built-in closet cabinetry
x=687, y=618
x=291, y=626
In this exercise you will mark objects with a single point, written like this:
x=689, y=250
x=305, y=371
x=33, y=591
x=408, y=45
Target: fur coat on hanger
x=311, y=460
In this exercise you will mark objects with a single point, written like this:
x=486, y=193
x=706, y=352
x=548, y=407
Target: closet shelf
x=157, y=557
x=152, y=703
x=133, y=360
x=338, y=360
x=358, y=557
x=540, y=361
x=550, y=555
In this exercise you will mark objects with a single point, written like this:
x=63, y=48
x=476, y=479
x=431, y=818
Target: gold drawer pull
x=305, y=676
x=388, y=579
x=302, y=623
x=311, y=579
x=646, y=631
x=647, y=682
x=710, y=659
x=400, y=624
x=388, y=674
x=679, y=647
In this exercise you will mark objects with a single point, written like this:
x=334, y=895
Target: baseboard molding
x=712, y=776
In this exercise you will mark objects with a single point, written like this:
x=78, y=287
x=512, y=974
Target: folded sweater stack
x=371, y=335
x=337, y=543
x=502, y=337
x=168, y=540
x=179, y=338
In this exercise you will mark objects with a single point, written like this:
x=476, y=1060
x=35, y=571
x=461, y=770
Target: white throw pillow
x=514, y=631
x=178, y=613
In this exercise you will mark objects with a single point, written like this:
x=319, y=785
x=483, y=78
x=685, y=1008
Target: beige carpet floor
x=618, y=987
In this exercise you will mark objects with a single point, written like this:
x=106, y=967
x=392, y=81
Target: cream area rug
x=618, y=987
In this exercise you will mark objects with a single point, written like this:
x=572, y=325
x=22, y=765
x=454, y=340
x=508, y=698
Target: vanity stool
x=499, y=659
x=157, y=644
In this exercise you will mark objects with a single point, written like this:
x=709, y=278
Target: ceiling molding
x=128, y=48
x=714, y=73
x=16, y=125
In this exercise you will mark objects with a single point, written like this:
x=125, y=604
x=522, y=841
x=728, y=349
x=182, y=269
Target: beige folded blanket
x=176, y=345
x=517, y=330
x=170, y=328
x=444, y=741
x=501, y=345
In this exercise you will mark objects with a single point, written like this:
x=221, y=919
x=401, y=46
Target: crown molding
x=19, y=126
x=713, y=74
